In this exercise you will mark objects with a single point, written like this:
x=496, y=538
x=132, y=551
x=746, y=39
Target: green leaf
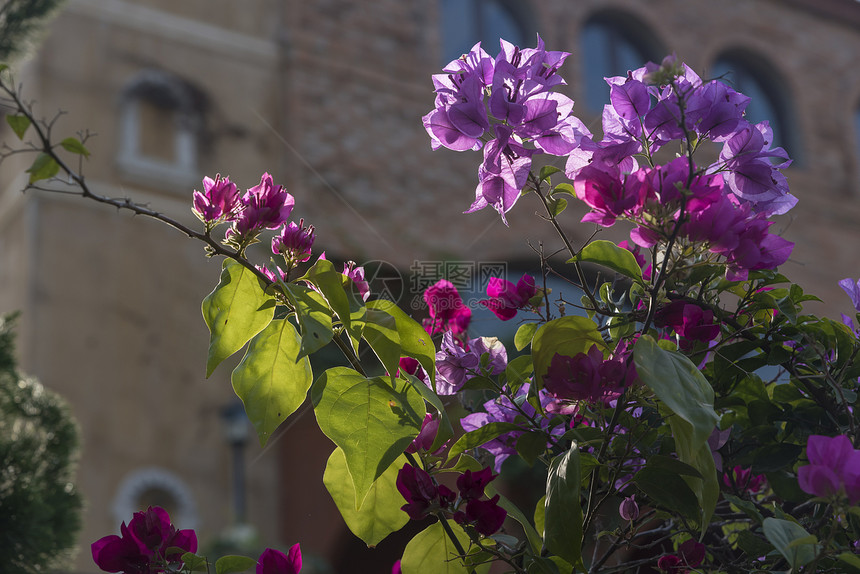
x=547, y=171
x=314, y=317
x=336, y=290
x=851, y=559
x=270, y=380
x=518, y=372
x=235, y=311
x=414, y=340
x=680, y=385
x=530, y=446
x=379, y=513
x=524, y=335
x=446, y=429
x=672, y=465
x=563, y=514
x=783, y=533
x=44, y=167
x=540, y=515
x=19, y=124
x=566, y=336
x=380, y=332
x=194, y=563
x=668, y=490
x=234, y=564
x=609, y=255
x=74, y=145
x=564, y=188
x=371, y=421
x=432, y=552
x=479, y=436
x=556, y=205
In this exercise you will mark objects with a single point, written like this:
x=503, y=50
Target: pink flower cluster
x=588, y=377
x=833, y=469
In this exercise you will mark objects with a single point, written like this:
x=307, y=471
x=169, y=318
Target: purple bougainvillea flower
x=588, y=377
x=447, y=311
x=273, y=561
x=264, y=206
x=456, y=363
x=295, y=241
x=219, y=200
x=833, y=469
x=628, y=509
x=506, y=298
x=690, y=554
x=119, y=554
x=852, y=288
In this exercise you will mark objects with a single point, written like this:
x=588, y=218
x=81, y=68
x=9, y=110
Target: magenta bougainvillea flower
x=264, y=206
x=852, y=288
x=588, y=377
x=471, y=484
x=743, y=480
x=689, y=321
x=486, y=516
x=146, y=541
x=412, y=367
x=424, y=441
x=294, y=242
x=833, y=469
x=690, y=554
x=422, y=495
x=273, y=561
x=506, y=298
x=218, y=201
x=356, y=275
x=447, y=311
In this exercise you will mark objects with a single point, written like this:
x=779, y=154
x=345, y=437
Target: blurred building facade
x=327, y=96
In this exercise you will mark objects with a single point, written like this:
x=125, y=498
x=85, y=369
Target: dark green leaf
x=556, y=205
x=564, y=188
x=783, y=533
x=773, y=457
x=672, y=465
x=518, y=372
x=668, y=490
x=752, y=544
x=194, y=563
x=530, y=446
x=563, y=513
x=547, y=171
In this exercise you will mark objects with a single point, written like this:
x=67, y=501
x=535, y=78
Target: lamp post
x=236, y=432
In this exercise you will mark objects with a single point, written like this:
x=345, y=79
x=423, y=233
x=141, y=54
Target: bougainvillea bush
x=687, y=415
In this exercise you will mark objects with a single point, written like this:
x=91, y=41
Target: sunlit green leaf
x=524, y=335
x=235, y=311
x=234, y=564
x=379, y=513
x=432, y=552
x=609, y=255
x=371, y=421
x=270, y=380
x=415, y=342
x=336, y=289
x=380, y=332
x=314, y=317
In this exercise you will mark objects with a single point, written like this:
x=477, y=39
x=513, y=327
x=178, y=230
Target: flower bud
x=295, y=242
x=628, y=509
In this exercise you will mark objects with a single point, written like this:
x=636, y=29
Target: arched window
x=465, y=22
x=611, y=44
x=161, y=119
x=753, y=76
